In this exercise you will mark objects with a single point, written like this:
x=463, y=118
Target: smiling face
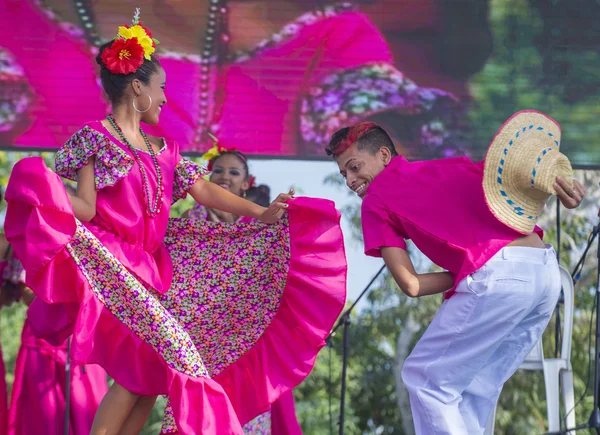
x=156, y=90
x=230, y=173
x=360, y=167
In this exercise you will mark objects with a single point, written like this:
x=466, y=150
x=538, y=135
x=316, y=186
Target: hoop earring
x=142, y=111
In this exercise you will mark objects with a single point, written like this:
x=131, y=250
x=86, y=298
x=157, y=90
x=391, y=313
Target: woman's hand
x=277, y=208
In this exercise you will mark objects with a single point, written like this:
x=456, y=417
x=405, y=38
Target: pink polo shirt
x=440, y=206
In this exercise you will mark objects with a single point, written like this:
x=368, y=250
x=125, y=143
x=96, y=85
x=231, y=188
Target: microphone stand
x=594, y=419
x=345, y=322
x=561, y=299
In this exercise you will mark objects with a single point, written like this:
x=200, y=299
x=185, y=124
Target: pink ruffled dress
x=38, y=393
x=3, y=393
x=222, y=319
x=281, y=419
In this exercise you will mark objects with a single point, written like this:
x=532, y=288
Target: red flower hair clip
x=132, y=45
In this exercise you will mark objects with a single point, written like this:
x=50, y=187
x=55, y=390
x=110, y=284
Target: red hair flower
x=251, y=181
x=124, y=56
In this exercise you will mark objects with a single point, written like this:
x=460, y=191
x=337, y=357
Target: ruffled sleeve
x=112, y=163
x=355, y=94
x=186, y=174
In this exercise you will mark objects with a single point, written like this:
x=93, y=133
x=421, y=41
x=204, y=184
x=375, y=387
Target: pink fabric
x=124, y=225
x=38, y=392
x=441, y=207
x=83, y=289
x=283, y=416
x=251, y=89
x=3, y=392
x=44, y=224
x=3, y=397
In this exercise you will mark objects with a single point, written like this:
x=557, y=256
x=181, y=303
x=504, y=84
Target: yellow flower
x=211, y=153
x=143, y=39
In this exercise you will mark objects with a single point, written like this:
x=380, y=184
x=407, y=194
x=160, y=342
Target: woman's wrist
x=257, y=211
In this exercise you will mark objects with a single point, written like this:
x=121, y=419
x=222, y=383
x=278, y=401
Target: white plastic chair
x=555, y=369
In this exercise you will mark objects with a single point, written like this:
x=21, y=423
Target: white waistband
x=536, y=255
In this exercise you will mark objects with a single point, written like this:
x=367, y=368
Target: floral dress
x=283, y=420
x=215, y=317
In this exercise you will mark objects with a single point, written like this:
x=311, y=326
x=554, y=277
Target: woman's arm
x=5, y=248
x=412, y=283
x=28, y=296
x=84, y=200
x=213, y=196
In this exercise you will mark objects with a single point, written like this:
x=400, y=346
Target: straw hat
x=521, y=166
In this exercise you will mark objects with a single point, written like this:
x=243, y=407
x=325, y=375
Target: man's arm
x=412, y=283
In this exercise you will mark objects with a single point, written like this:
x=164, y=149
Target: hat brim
x=530, y=135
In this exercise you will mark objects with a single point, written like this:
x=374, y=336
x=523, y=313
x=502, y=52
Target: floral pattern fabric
x=221, y=294
x=353, y=95
x=198, y=212
x=224, y=282
x=14, y=272
x=261, y=425
x=186, y=174
x=15, y=92
x=112, y=163
x=135, y=306
x=221, y=301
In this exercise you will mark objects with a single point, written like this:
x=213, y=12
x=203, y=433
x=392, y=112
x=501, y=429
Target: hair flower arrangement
x=131, y=46
x=216, y=151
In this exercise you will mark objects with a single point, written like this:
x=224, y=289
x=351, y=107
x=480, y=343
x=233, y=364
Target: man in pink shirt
x=501, y=285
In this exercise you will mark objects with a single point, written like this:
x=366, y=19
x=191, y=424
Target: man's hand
x=570, y=197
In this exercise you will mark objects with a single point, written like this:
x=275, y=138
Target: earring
x=142, y=111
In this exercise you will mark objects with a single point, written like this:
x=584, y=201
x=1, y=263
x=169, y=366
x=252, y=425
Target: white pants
x=478, y=339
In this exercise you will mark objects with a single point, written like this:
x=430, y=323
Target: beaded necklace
x=151, y=209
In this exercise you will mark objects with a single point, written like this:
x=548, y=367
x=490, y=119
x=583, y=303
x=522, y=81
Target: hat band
x=515, y=207
x=539, y=160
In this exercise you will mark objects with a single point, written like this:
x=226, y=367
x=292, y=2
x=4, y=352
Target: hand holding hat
x=570, y=197
x=524, y=167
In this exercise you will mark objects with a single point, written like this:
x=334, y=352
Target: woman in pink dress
x=5, y=299
x=40, y=379
x=274, y=78
x=229, y=169
x=214, y=317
